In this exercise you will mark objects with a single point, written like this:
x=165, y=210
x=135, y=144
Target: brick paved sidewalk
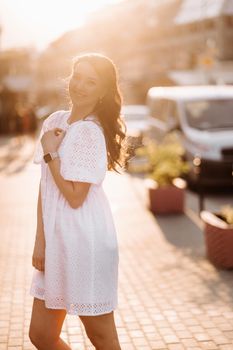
x=170, y=296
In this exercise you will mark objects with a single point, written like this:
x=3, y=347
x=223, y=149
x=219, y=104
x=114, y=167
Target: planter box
x=168, y=199
x=218, y=239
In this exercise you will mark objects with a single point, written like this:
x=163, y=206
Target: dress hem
x=69, y=312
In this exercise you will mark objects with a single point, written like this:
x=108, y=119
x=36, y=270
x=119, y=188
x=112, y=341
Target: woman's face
x=85, y=86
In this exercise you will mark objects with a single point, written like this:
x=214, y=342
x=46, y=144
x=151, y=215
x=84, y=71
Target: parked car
x=137, y=122
x=202, y=117
x=136, y=118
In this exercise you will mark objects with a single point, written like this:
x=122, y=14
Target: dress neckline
x=89, y=117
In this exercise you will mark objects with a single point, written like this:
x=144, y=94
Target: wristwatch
x=50, y=156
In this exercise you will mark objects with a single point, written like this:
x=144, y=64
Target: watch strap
x=50, y=156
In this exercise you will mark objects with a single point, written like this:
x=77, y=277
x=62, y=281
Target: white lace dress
x=81, y=255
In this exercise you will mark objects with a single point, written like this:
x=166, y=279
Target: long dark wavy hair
x=108, y=109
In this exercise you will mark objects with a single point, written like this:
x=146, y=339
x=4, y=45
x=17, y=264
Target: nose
x=79, y=85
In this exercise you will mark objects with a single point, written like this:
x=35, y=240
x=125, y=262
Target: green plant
x=226, y=213
x=165, y=159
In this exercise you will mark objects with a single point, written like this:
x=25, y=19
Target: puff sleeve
x=84, y=154
x=38, y=153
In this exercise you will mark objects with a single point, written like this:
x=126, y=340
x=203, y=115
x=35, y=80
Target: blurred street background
x=175, y=62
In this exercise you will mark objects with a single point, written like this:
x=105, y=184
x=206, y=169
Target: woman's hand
x=38, y=258
x=52, y=139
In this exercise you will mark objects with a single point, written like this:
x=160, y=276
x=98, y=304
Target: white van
x=204, y=117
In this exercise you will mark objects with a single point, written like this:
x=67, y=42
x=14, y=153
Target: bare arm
x=40, y=225
x=38, y=257
x=74, y=192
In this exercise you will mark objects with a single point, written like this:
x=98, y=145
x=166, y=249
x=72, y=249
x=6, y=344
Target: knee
x=103, y=341
x=41, y=341
x=34, y=337
x=98, y=340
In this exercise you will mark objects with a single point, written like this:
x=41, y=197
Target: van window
x=209, y=114
x=164, y=109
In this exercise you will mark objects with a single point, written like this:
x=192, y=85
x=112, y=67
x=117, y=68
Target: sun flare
x=39, y=22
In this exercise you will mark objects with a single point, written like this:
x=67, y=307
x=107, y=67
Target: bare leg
x=60, y=345
x=101, y=330
x=45, y=327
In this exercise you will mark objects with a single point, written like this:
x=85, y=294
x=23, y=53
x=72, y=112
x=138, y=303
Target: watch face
x=47, y=157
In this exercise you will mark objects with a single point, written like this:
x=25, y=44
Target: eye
x=91, y=82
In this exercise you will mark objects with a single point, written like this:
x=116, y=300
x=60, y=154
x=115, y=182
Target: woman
x=76, y=250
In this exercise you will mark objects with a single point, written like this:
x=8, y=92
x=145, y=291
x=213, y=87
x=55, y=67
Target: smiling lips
x=79, y=94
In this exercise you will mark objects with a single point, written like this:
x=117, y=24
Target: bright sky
x=38, y=22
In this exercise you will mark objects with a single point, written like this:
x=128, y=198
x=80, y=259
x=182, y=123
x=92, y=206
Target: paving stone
x=226, y=347
x=208, y=345
x=170, y=296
